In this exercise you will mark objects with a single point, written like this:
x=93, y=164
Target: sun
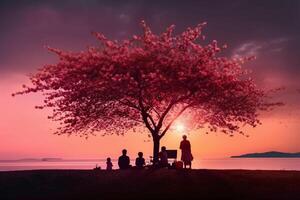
x=179, y=127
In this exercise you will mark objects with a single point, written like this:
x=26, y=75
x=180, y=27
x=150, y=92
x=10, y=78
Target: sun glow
x=179, y=127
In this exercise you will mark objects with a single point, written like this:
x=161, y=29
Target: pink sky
x=26, y=132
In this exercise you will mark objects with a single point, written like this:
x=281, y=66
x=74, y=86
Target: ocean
x=227, y=163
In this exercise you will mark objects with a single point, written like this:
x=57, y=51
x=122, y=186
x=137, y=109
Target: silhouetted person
x=109, y=164
x=186, y=154
x=163, y=157
x=124, y=160
x=140, y=161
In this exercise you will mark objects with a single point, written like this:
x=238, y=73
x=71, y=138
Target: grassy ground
x=146, y=184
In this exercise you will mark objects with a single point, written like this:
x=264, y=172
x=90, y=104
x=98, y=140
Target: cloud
x=247, y=49
x=279, y=40
x=255, y=48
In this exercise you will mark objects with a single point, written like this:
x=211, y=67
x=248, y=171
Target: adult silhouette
x=186, y=153
x=124, y=160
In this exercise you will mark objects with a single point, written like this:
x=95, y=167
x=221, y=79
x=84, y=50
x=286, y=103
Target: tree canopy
x=148, y=81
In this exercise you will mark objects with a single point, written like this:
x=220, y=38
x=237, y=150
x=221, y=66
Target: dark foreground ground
x=146, y=184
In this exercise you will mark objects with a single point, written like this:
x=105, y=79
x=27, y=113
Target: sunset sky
x=269, y=30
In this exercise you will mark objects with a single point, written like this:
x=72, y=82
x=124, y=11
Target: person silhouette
x=140, y=161
x=186, y=153
x=109, y=164
x=124, y=160
x=163, y=157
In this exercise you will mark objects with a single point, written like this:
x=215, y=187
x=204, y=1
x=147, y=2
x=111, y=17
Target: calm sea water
x=230, y=163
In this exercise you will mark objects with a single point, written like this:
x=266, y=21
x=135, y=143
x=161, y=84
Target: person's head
x=140, y=154
x=163, y=148
x=124, y=152
x=184, y=137
x=108, y=159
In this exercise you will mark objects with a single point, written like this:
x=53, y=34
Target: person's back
x=109, y=164
x=124, y=160
x=163, y=157
x=140, y=161
x=185, y=145
x=186, y=154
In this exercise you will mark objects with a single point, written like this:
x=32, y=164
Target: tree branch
x=157, y=113
x=130, y=104
x=172, y=121
x=142, y=108
x=151, y=119
x=161, y=119
x=173, y=102
x=145, y=116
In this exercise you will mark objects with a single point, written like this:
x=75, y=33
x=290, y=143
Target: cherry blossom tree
x=147, y=82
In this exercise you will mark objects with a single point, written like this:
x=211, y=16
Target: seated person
x=163, y=157
x=124, y=160
x=140, y=161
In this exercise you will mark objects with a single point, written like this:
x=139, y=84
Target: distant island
x=34, y=160
x=269, y=154
x=51, y=159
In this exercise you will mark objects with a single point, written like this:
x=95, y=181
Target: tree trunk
x=155, y=149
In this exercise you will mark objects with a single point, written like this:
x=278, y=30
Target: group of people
x=124, y=160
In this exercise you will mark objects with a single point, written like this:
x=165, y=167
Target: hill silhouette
x=269, y=154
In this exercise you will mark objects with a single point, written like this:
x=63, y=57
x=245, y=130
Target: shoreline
x=114, y=170
x=282, y=164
